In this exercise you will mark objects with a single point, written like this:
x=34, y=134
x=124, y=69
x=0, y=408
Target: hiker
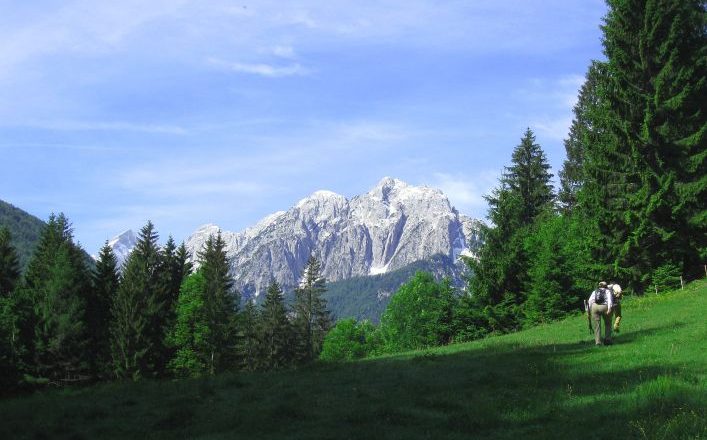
x=600, y=303
x=616, y=297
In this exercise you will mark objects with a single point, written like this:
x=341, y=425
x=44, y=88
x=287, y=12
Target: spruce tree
x=275, y=329
x=655, y=94
x=249, y=344
x=137, y=329
x=9, y=275
x=221, y=304
x=98, y=314
x=312, y=319
x=190, y=335
x=9, y=264
x=584, y=132
x=51, y=306
x=500, y=277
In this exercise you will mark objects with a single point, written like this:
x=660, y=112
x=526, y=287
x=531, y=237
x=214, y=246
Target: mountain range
x=386, y=229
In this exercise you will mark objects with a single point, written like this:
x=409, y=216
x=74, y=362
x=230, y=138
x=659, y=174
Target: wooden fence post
x=682, y=283
x=656, y=288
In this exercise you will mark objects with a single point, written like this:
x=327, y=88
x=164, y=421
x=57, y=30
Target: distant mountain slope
x=366, y=297
x=24, y=228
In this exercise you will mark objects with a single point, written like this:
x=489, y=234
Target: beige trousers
x=599, y=312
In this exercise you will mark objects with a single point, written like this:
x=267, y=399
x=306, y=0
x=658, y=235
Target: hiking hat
x=602, y=284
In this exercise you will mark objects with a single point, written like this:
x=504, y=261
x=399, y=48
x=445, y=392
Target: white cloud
x=262, y=69
x=556, y=129
x=465, y=192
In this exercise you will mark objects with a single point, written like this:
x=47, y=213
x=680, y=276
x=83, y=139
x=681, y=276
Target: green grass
x=547, y=382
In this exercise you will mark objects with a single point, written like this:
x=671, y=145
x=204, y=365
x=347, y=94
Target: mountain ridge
x=389, y=227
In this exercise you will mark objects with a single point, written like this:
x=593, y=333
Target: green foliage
x=584, y=132
x=276, y=332
x=250, y=349
x=98, y=311
x=666, y=277
x=646, y=181
x=366, y=297
x=50, y=307
x=419, y=315
x=498, y=286
x=9, y=264
x=137, y=327
x=312, y=320
x=560, y=268
x=190, y=334
x=349, y=340
x=220, y=304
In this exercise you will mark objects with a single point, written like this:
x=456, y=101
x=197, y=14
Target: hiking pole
x=589, y=317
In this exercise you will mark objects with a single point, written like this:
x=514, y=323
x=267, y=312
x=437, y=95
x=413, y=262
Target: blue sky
x=193, y=112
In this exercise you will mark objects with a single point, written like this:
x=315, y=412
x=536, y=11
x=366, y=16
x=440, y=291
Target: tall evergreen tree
x=137, y=329
x=98, y=314
x=249, y=342
x=312, y=319
x=9, y=264
x=221, y=304
x=500, y=276
x=190, y=334
x=655, y=93
x=51, y=306
x=275, y=329
x=584, y=132
x=9, y=275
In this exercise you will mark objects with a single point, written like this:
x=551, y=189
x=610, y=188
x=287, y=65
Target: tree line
x=158, y=315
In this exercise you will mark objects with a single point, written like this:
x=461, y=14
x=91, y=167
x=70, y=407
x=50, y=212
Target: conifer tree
x=190, y=335
x=275, y=329
x=584, y=132
x=500, y=277
x=221, y=305
x=9, y=264
x=98, y=314
x=312, y=319
x=137, y=330
x=655, y=93
x=9, y=275
x=249, y=345
x=51, y=306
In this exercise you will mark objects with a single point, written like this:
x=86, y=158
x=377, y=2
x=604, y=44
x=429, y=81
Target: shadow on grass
x=572, y=390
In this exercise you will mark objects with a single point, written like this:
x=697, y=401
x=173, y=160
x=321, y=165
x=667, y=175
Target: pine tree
x=190, y=335
x=9, y=264
x=275, y=329
x=655, y=94
x=221, y=304
x=9, y=275
x=312, y=319
x=137, y=330
x=249, y=344
x=500, y=277
x=98, y=313
x=584, y=132
x=51, y=306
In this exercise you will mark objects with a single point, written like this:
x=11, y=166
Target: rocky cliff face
x=122, y=245
x=390, y=227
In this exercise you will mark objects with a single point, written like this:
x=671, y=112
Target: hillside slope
x=24, y=229
x=547, y=382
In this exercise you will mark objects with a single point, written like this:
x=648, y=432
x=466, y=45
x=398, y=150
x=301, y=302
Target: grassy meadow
x=546, y=382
